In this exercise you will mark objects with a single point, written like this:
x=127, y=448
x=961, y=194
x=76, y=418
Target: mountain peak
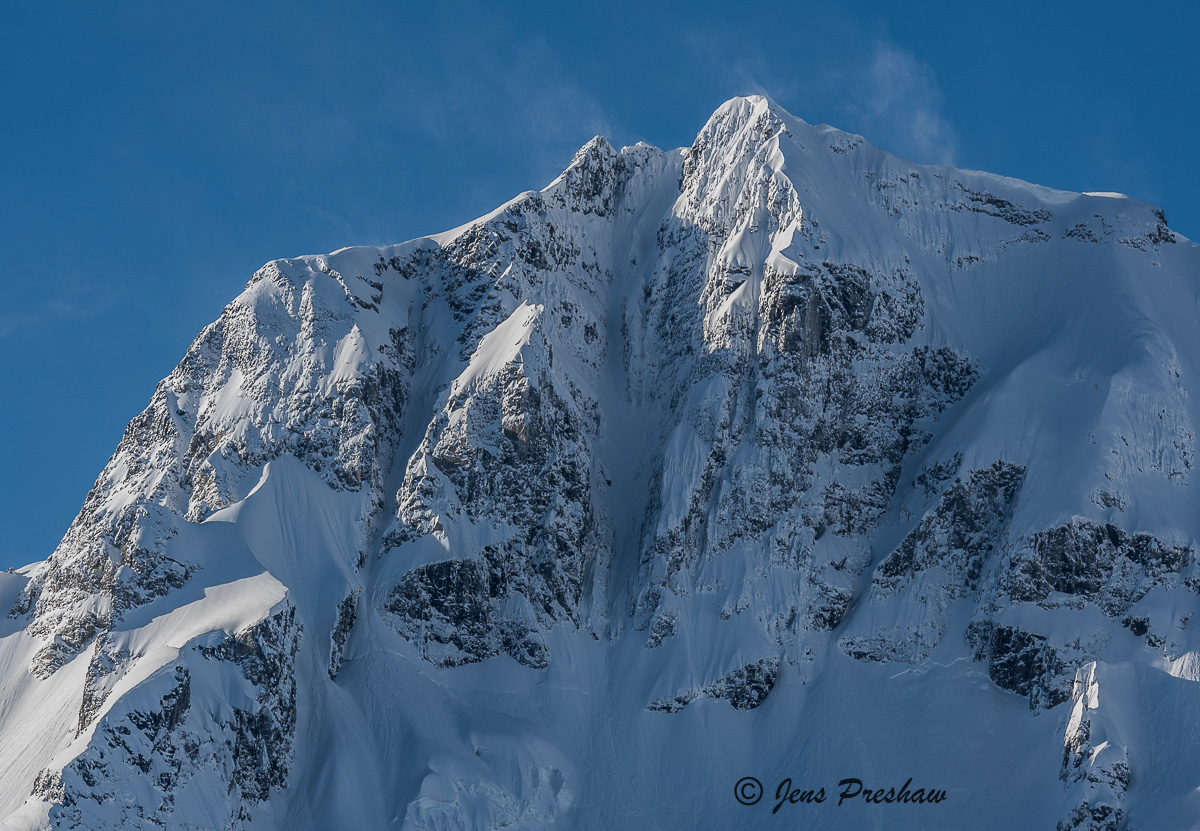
x=690, y=449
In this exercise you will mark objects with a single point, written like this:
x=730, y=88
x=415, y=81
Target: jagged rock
x=347, y=614
x=941, y=561
x=261, y=382
x=745, y=688
x=457, y=610
x=1023, y=663
x=1095, y=765
x=159, y=744
x=1098, y=563
x=108, y=665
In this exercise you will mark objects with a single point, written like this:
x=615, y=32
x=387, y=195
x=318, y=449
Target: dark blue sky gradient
x=154, y=155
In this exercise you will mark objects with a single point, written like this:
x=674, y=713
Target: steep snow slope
x=775, y=456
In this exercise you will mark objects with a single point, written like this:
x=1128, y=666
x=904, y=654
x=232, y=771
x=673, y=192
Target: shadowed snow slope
x=773, y=456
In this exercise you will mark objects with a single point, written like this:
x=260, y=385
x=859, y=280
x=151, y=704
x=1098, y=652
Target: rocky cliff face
x=691, y=452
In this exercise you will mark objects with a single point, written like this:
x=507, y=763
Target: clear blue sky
x=155, y=154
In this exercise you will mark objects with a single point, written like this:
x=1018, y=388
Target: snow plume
x=838, y=71
x=903, y=102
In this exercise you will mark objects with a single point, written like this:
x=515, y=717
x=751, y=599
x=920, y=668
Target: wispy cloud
x=52, y=300
x=523, y=101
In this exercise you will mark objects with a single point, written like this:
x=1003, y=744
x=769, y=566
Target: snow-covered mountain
x=776, y=456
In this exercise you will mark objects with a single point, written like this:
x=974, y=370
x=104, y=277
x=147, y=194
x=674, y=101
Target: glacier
x=776, y=456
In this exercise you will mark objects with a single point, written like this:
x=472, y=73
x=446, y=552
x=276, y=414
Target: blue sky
x=154, y=154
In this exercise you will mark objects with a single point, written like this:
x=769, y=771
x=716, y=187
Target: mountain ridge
x=684, y=447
